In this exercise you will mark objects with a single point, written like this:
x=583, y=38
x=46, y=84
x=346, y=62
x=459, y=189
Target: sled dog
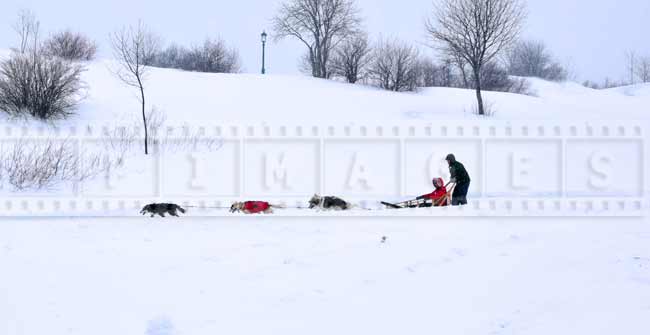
x=329, y=202
x=253, y=207
x=161, y=209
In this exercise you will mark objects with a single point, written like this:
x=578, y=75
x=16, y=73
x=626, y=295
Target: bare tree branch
x=321, y=25
x=27, y=28
x=643, y=69
x=394, y=66
x=476, y=30
x=134, y=49
x=352, y=58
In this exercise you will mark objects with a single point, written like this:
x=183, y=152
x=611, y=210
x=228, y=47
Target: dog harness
x=255, y=207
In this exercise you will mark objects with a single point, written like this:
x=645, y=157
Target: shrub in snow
x=453, y=74
x=532, y=59
x=43, y=87
x=70, y=46
x=36, y=165
x=496, y=78
x=211, y=57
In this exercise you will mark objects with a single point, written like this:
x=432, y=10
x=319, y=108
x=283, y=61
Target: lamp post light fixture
x=264, y=35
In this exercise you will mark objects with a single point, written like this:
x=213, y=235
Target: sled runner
x=415, y=203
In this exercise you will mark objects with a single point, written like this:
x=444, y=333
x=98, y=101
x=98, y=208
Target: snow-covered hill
x=276, y=98
x=186, y=97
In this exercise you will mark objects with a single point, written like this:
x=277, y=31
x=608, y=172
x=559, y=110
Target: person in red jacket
x=439, y=196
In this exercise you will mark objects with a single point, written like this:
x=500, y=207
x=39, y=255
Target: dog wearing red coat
x=253, y=207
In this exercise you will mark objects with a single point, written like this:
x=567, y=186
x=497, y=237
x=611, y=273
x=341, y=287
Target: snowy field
x=324, y=276
x=331, y=274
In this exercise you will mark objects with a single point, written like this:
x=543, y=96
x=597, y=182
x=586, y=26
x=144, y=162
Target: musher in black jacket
x=459, y=176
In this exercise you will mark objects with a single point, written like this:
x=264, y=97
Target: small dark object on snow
x=161, y=209
x=383, y=239
x=328, y=202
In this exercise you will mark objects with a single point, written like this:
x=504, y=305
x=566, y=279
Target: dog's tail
x=181, y=209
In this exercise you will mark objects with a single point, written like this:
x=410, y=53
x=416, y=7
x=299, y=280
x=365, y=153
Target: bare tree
x=428, y=73
x=352, y=58
x=447, y=78
x=457, y=60
x=476, y=30
x=630, y=58
x=27, y=28
x=532, y=59
x=643, y=69
x=321, y=25
x=394, y=66
x=134, y=48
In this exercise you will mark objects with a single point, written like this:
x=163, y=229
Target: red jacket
x=439, y=196
x=255, y=207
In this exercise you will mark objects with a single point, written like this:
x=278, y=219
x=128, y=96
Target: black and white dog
x=329, y=202
x=162, y=209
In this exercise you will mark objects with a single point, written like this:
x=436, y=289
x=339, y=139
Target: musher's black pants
x=459, y=197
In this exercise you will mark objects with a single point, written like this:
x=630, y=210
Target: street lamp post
x=264, y=35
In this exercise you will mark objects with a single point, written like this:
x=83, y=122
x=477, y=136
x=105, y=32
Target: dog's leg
x=161, y=214
x=173, y=213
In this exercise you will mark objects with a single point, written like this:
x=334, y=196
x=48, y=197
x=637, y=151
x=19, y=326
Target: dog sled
x=441, y=197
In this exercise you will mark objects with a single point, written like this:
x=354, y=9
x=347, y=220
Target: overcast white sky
x=591, y=35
